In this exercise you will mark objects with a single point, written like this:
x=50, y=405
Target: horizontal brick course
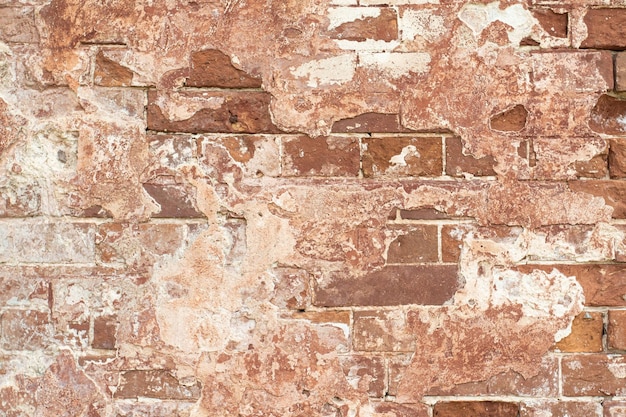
x=594, y=375
x=606, y=29
x=400, y=157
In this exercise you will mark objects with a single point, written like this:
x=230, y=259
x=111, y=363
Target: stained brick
x=607, y=115
x=615, y=408
x=365, y=373
x=291, y=288
x=174, y=200
x=392, y=157
x=616, y=330
x=594, y=375
x=382, y=331
x=457, y=163
x=426, y=213
x=109, y=73
x=617, y=158
x=213, y=68
x=555, y=24
x=391, y=285
x=25, y=329
x=475, y=409
x=368, y=23
x=620, y=71
x=18, y=25
x=555, y=408
x=331, y=156
x=217, y=112
x=586, y=335
x=606, y=29
x=370, y=123
x=613, y=192
x=553, y=69
x=386, y=408
x=240, y=156
x=603, y=285
x=104, y=332
x=155, y=384
x=511, y=120
x=415, y=244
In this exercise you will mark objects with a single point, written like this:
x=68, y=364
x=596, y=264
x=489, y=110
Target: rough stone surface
x=312, y=208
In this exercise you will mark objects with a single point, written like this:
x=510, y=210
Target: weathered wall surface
x=312, y=208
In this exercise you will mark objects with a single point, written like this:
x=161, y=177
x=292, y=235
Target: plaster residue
x=478, y=16
x=327, y=71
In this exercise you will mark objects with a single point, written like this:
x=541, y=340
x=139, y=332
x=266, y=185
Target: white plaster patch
x=340, y=15
x=478, y=16
x=178, y=107
x=422, y=23
x=327, y=71
x=618, y=370
x=395, y=64
x=401, y=158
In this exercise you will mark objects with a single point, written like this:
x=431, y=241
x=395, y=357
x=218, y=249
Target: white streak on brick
x=397, y=64
x=327, y=71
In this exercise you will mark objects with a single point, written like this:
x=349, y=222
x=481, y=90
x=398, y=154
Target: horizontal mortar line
x=220, y=89
x=567, y=262
x=98, y=221
x=435, y=222
x=617, y=221
x=50, y=264
x=435, y=263
x=433, y=399
x=565, y=355
x=127, y=87
x=602, y=309
x=382, y=135
x=397, y=307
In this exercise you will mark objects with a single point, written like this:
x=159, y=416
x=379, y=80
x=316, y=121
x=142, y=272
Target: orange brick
x=586, y=334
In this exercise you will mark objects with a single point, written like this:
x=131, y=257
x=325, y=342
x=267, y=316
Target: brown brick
x=175, y=200
x=388, y=408
x=475, y=409
x=155, y=384
x=594, y=375
x=213, y=68
x=383, y=27
x=511, y=120
x=426, y=213
x=617, y=158
x=109, y=73
x=555, y=24
x=607, y=115
x=615, y=408
x=370, y=123
x=586, y=336
x=400, y=156
x=613, y=192
x=25, y=329
x=291, y=288
x=416, y=244
x=366, y=373
x=237, y=112
x=620, y=71
x=382, y=331
x=458, y=163
x=603, y=285
x=104, y=332
x=18, y=25
x=616, y=330
x=331, y=156
x=606, y=29
x=556, y=408
x=391, y=285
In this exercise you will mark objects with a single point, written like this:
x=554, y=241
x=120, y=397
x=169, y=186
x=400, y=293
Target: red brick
x=25, y=329
x=616, y=330
x=104, y=332
x=369, y=123
x=331, y=156
x=555, y=24
x=586, y=335
x=391, y=285
x=382, y=331
x=365, y=373
x=155, y=384
x=617, y=158
x=17, y=24
x=511, y=120
x=402, y=156
x=607, y=115
x=606, y=29
x=457, y=163
x=175, y=200
x=109, y=73
x=426, y=213
x=415, y=244
x=237, y=112
x=213, y=68
x=387, y=408
x=383, y=27
x=594, y=375
x=291, y=288
x=556, y=408
x=613, y=192
x=475, y=409
x=620, y=71
x=615, y=408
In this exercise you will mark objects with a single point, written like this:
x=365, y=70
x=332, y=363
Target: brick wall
x=312, y=208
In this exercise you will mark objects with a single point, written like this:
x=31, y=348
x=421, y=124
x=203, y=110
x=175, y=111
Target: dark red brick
x=457, y=163
x=475, y=409
x=383, y=27
x=391, y=285
x=370, y=123
x=388, y=408
x=367, y=373
x=104, y=332
x=213, y=68
x=175, y=200
x=586, y=335
x=617, y=158
x=620, y=71
x=109, y=73
x=239, y=112
x=511, y=120
x=402, y=156
x=426, y=213
x=331, y=156
x=616, y=330
x=594, y=375
x=555, y=24
x=606, y=29
x=416, y=244
x=607, y=115
x=155, y=384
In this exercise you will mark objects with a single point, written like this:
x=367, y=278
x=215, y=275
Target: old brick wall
x=312, y=208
